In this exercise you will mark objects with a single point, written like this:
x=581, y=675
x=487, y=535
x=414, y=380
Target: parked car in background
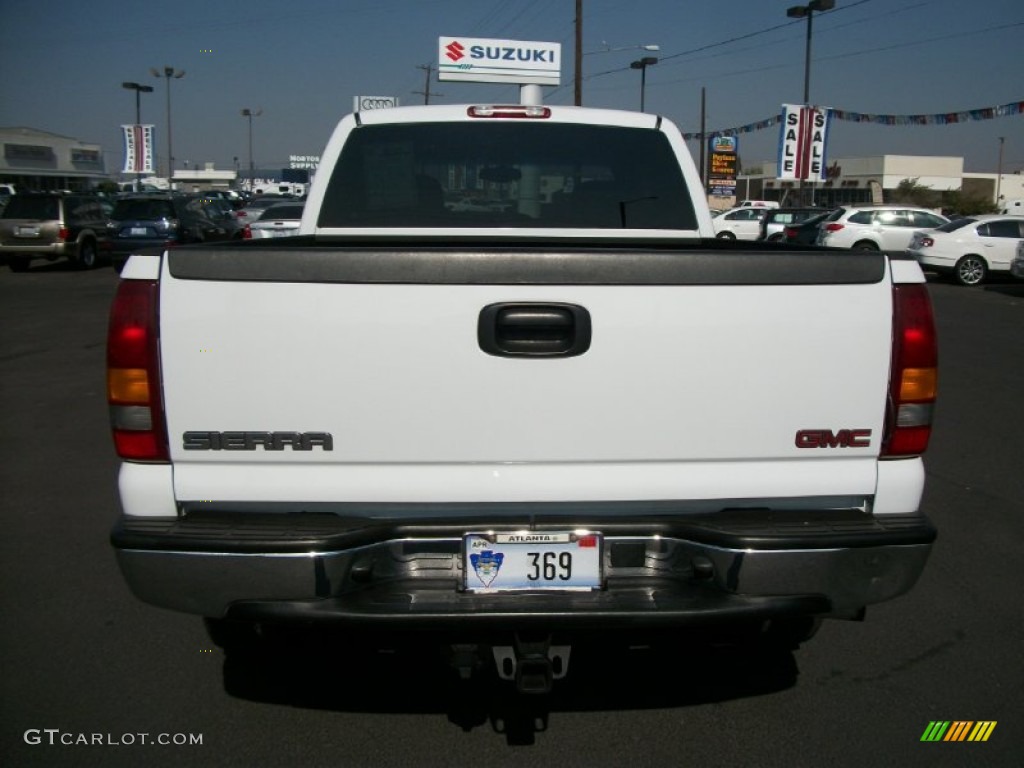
x=220, y=210
x=230, y=196
x=739, y=223
x=147, y=223
x=255, y=207
x=53, y=225
x=876, y=227
x=276, y=221
x=970, y=248
x=776, y=220
x=759, y=204
x=1017, y=265
x=805, y=232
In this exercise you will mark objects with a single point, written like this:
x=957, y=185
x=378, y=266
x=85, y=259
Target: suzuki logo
x=455, y=50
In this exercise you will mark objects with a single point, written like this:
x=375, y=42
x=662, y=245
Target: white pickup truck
x=570, y=409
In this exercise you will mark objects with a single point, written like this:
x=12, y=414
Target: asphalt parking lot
x=80, y=656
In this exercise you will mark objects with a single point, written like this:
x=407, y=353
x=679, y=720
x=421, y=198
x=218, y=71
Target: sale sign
x=802, y=142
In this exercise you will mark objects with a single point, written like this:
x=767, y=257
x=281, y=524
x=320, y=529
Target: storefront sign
x=499, y=61
x=308, y=162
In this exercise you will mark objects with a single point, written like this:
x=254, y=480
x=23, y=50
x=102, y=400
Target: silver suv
x=876, y=227
x=53, y=226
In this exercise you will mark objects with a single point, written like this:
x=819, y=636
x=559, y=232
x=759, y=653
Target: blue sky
x=303, y=61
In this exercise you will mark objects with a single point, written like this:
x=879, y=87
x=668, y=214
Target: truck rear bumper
x=661, y=570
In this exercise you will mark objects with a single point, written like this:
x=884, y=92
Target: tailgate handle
x=514, y=329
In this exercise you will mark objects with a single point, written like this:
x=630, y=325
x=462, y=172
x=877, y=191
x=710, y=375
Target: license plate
x=531, y=560
x=138, y=231
x=27, y=231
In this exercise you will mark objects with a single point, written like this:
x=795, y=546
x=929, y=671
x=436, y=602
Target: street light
x=139, y=90
x=605, y=48
x=177, y=74
x=799, y=12
x=642, y=65
x=249, y=113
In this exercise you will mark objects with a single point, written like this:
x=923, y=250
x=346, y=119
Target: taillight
x=247, y=233
x=789, y=232
x=833, y=227
x=511, y=110
x=133, y=373
x=62, y=233
x=913, y=379
x=925, y=242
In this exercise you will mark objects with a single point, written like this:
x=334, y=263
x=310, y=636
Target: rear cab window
x=547, y=175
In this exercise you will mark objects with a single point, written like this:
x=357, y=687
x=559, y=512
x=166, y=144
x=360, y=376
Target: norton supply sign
x=498, y=61
x=802, y=142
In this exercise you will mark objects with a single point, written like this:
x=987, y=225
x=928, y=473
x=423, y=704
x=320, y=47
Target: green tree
x=956, y=201
x=910, y=192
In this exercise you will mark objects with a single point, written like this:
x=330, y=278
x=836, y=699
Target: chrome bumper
x=417, y=577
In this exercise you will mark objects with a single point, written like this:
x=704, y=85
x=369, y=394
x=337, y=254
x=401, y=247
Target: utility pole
x=999, y=170
x=703, y=140
x=429, y=69
x=578, y=70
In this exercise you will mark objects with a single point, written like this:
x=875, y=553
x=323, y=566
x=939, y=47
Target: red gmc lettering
x=826, y=438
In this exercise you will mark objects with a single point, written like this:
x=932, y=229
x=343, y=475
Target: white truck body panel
x=686, y=377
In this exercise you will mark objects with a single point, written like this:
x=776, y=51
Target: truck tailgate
x=730, y=374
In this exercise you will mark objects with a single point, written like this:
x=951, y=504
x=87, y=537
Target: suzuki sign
x=477, y=60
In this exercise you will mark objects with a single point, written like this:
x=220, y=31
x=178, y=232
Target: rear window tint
x=143, y=209
x=517, y=174
x=28, y=207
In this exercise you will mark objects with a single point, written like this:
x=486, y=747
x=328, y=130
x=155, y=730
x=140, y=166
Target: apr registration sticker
x=531, y=560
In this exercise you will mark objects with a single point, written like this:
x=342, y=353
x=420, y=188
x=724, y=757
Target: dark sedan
x=151, y=223
x=805, y=232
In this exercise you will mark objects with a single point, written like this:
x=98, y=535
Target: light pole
x=139, y=90
x=177, y=74
x=999, y=170
x=249, y=113
x=605, y=48
x=642, y=65
x=799, y=12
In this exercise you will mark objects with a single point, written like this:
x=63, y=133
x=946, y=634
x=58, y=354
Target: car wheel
x=87, y=255
x=865, y=245
x=970, y=270
x=725, y=236
x=19, y=263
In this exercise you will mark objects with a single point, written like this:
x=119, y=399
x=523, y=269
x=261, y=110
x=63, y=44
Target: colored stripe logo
x=958, y=730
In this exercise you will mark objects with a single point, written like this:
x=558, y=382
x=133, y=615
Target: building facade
x=861, y=180
x=36, y=160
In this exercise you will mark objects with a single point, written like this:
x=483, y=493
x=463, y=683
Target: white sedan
x=739, y=223
x=970, y=248
x=277, y=221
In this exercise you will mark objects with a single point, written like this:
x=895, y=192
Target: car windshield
x=955, y=224
x=532, y=175
x=263, y=202
x=28, y=207
x=143, y=210
x=282, y=212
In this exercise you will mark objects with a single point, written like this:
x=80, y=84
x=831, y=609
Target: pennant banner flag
x=138, y=149
x=944, y=118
